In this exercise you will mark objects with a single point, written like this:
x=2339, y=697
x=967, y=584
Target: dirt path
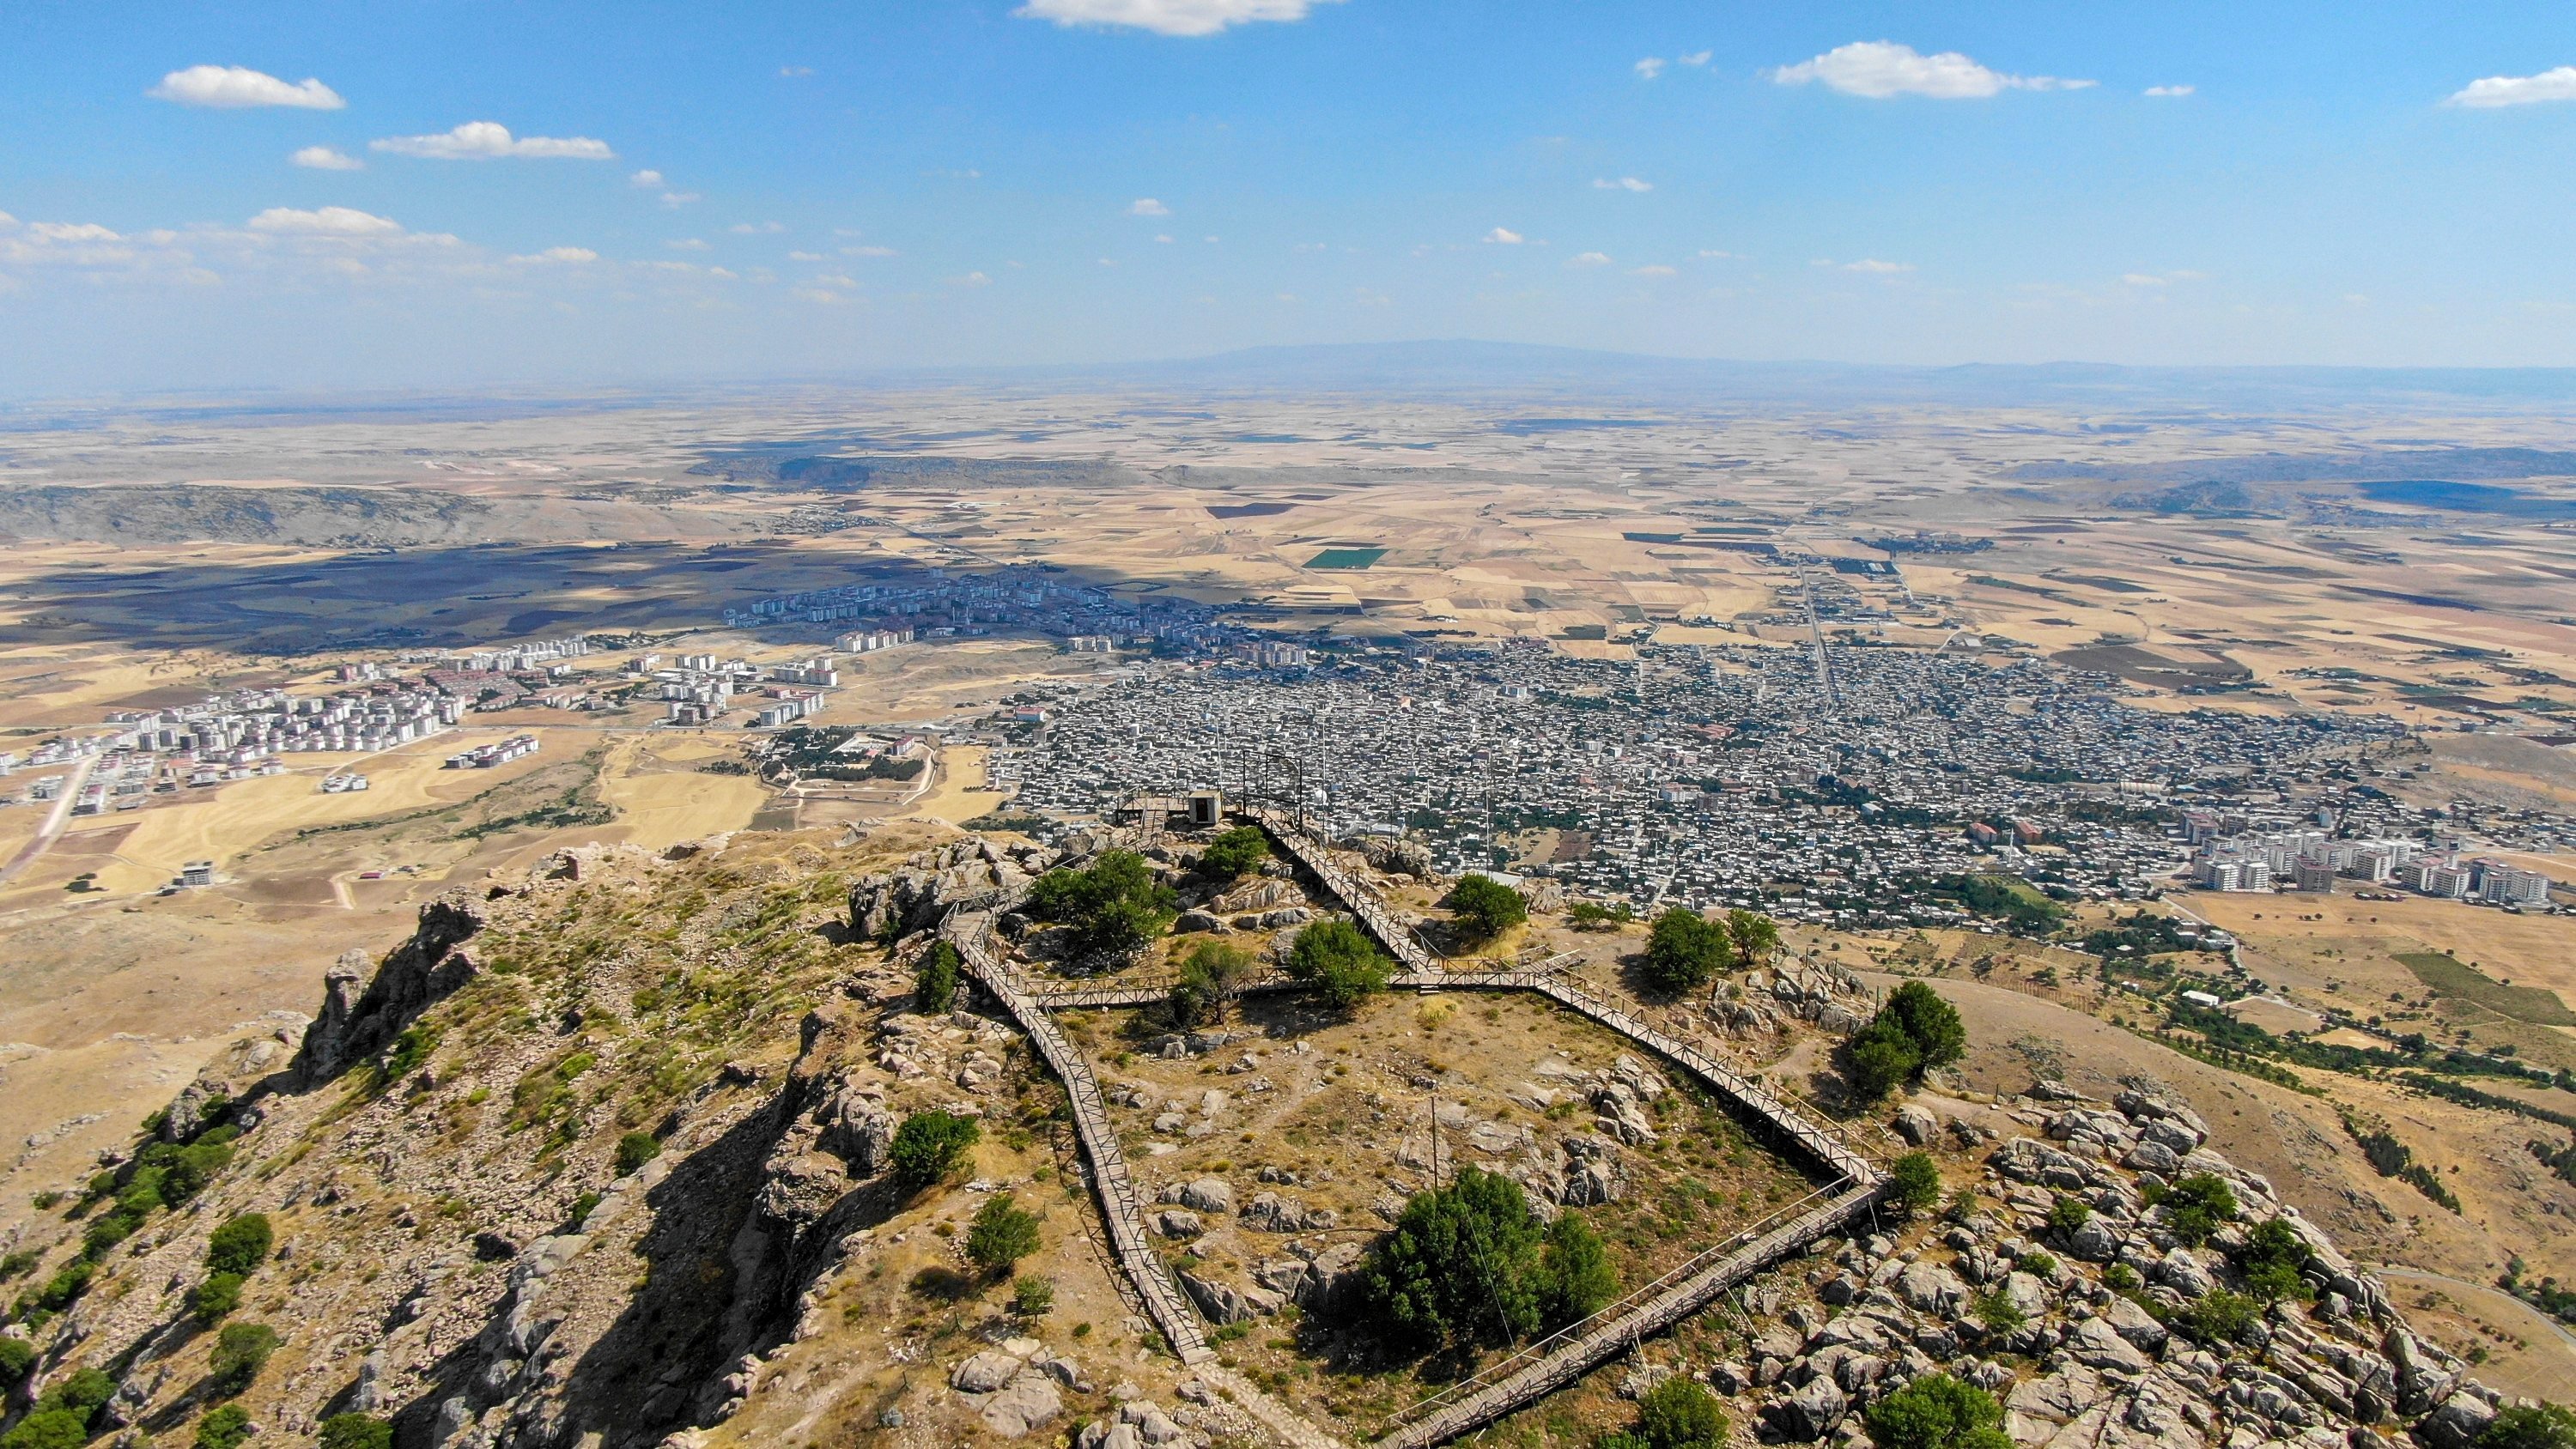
x=52, y=829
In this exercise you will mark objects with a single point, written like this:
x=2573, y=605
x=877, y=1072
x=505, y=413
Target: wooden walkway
x=1119, y=1208
x=1855, y=1183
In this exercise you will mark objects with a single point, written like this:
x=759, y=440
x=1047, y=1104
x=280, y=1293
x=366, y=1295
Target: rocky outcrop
x=356, y=1022
x=971, y=874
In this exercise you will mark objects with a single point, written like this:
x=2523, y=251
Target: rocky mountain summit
x=605, y=1156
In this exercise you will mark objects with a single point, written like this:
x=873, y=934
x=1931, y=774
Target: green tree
x=48, y=1429
x=1210, y=975
x=356, y=1431
x=1683, y=951
x=241, y=1351
x=1484, y=907
x=1112, y=905
x=2538, y=1426
x=2217, y=1317
x=1878, y=1060
x=1002, y=1234
x=224, y=1427
x=17, y=1356
x=2273, y=1261
x=1461, y=1264
x=1937, y=1411
x=929, y=1145
x=1580, y=1277
x=82, y=1392
x=936, y=976
x=240, y=1245
x=1916, y=1182
x=215, y=1298
x=1340, y=961
x=1594, y=916
x=1754, y=936
x=1233, y=852
x=1032, y=1297
x=2067, y=1214
x=1680, y=1413
x=1929, y=1022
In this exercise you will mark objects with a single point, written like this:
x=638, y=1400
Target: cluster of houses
x=2312, y=860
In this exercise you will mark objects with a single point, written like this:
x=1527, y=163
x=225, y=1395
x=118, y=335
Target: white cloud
x=1874, y=267
x=1655, y=270
x=804, y=256
x=2355, y=299
x=235, y=87
x=792, y=71
x=647, y=179
x=1504, y=236
x=74, y=231
x=485, y=140
x=1108, y=261
x=686, y=244
x=326, y=158
x=1167, y=17
x=560, y=256
x=1649, y=68
x=971, y=279
x=2517, y=90
x=1147, y=206
x=329, y=221
x=1696, y=57
x=1879, y=69
x=756, y=228
x=868, y=251
x=1163, y=237
x=680, y=198
x=2158, y=279
x=2170, y=91
x=1718, y=256
x=1624, y=183
x=1589, y=259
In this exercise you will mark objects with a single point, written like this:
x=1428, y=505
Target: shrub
x=355, y=1431
x=2196, y=1205
x=1753, y=935
x=2273, y=1260
x=66, y=1285
x=228, y=1425
x=635, y=1149
x=2217, y=1317
x=1917, y=1181
x=1461, y=1264
x=411, y=1052
x=1680, y=1413
x=214, y=1299
x=1997, y=1311
x=1914, y=1032
x=241, y=1351
x=1032, y=1297
x=240, y=1245
x=2121, y=1278
x=1002, y=1234
x=2069, y=1213
x=1579, y=1275
x=1683, y=951
x=1233, y=852
x=1937, y=1411
x=1210, y=975
x=17, y=1356
x=48, y=1429
x=2038, y=1264
x=1593, y=916
x=1340, y=961
x=929, y=1145
x=1877, y=1061
x=2542, y=1426
x=935, y=979
x=1485, y=907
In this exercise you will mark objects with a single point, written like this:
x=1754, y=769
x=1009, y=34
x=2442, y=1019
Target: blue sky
x=364, y=194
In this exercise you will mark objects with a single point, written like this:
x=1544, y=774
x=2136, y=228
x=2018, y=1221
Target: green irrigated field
x=2448, y=976
x=1346, y=558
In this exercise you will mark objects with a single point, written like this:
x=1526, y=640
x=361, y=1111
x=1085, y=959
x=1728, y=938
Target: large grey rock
x=2093, y=1241
x=2134, y=1323
x=1219, y=1302
x=2458, y=1422
x=2058, y=1397
x=1026, y=1403
x=1812, y=1412
x=1929, y=1288
x=985, y=1372
x=2096, y=1344
x=2184, y=1274
x=1916, y=1124
x=1209, y=1195
x=2152, y=1157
